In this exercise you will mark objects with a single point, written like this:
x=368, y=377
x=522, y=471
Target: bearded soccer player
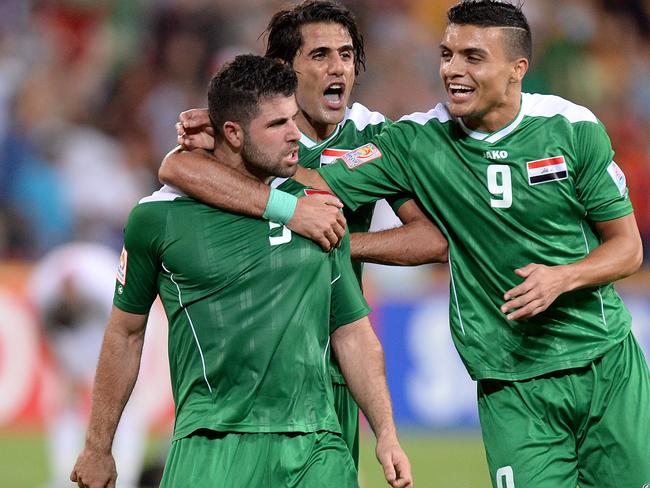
x=321, y=41
x=253, y=310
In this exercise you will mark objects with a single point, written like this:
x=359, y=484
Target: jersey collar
x=501, y=133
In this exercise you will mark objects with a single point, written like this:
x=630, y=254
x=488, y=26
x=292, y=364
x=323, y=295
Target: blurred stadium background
x=89, y=93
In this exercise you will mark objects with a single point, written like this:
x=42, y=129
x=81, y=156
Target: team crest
x=328, y=156
x=361, y=155
x=545, y=170
x=121, y=270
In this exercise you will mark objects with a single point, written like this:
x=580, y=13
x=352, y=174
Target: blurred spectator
x=90, y=91
x=72, y=289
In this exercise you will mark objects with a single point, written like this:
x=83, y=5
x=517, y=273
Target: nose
x=452, y=66
x=335, y=65
x=293, y=134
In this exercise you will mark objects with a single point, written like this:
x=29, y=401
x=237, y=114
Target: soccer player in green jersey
x=539, y=225
x=253, y=311
x=321, y=41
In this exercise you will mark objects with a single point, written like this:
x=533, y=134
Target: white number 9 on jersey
x=499, y=185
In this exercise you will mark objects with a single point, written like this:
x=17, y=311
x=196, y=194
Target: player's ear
x=233, y=134
x=519, y=70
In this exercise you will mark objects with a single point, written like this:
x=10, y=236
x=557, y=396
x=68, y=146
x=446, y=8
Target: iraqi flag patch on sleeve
x=121, y=270
x=328, y=156
x=545, y=170
x=361, y=155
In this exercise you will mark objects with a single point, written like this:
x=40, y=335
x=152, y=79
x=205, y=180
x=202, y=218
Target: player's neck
x=494, y=120
x=225, y=155
x=315, y=131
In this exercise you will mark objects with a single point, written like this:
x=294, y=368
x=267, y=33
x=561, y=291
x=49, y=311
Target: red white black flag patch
x=121, y=270
x=361, y=155
x=548, y=169
x=328, y=156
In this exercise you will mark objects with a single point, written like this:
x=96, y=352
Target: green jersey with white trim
x=528, y=193
x=250, y=307
x=359, y=125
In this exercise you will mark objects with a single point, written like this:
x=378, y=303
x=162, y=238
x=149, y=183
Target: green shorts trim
x=587, y=426
x=211, y=459
x=347, y=412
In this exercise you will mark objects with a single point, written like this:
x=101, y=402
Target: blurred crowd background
x=90, y=91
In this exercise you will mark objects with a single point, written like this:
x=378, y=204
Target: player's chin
x=287, y=170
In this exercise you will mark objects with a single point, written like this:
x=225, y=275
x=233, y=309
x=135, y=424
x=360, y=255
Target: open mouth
x=334, y=93
x=458, y=90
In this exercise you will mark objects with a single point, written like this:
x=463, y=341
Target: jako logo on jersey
x=619, y=178
x=545, y=170
x=121, y=270
x=361, y=155
x=328, y=156
x=495, y=154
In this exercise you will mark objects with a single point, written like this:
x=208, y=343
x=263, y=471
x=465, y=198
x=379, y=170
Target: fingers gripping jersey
x=525, y=194
x=250, y=308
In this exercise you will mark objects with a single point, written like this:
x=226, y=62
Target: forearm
x=616, y=258
x=117, y=371
x=361, y=358
x=400, y=246
x=198, y=174
x=418, y=241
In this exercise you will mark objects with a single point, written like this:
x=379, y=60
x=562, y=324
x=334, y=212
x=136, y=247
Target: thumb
x=526, y=271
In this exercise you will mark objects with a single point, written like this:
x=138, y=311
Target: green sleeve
x=600, y=183
x=379, y=169
x=348, y=303
x=140, y=264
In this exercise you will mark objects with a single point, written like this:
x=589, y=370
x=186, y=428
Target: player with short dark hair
x=253, y=311
x=539, y=224
x=321, y=41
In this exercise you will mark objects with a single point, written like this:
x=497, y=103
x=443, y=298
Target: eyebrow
x=467, y=51
x=345, y=47
x=282, y=120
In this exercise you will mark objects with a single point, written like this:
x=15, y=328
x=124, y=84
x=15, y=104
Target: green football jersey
x=359, y=125
x=250, y=307
x=527, y=193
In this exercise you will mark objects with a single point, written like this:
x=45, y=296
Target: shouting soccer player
x=321, y=41
x=253, y=310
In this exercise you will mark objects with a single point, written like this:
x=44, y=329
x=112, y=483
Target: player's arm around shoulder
x=361, y=358
x=417, y=241
x=117, y=371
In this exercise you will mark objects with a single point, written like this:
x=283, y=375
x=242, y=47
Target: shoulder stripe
x=362, y=117
x=536, y=105
x=439, y=112
x=165, y=194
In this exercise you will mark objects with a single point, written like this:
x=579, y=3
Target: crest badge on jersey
x=121, y=270
x=619, y=178
x=547, y=169
x=362, y=155
x=328, y=156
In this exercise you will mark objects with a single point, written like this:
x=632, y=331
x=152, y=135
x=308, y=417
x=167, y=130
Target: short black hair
x=285, y=39
x=235, y=92
x=494, y=13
